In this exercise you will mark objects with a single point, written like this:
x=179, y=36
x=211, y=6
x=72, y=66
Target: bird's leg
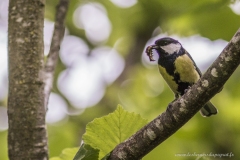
x=187, y=89
x=170, y=104
x=169, y=107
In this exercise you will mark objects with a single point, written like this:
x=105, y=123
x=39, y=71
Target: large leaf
x=106, y=132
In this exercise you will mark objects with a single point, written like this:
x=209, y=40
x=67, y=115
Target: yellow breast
x=168, y=78
x=186, y=69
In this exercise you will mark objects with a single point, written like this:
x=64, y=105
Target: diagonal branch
x=183, y=109
x=57, y=37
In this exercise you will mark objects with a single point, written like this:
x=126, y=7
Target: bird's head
x=164, y=46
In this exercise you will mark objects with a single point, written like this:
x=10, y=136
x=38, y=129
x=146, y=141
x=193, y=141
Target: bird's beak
x=149, y=51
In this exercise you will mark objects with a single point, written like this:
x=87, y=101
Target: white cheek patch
x=171, y=48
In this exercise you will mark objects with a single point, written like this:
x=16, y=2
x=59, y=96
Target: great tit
x=178, y=69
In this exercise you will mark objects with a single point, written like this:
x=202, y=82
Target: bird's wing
x=198, y=70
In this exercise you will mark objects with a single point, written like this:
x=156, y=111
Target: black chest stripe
x=167, y=62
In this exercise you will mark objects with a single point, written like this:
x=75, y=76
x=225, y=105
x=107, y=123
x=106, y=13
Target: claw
x=150, y=53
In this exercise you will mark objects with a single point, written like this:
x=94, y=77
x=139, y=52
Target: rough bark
x=183, y=109
x=27, y=137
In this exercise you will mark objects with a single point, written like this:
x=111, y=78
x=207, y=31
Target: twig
x=57, y=37
x=183, y=109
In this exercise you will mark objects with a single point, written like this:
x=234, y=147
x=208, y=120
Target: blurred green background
x=102, y=64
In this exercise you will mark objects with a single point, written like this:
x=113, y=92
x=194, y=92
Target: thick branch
x=52, y=59
x=27, y=137
x=183, y=109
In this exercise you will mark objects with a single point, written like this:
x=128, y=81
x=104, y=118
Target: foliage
x=104, y=133
x=86, y=152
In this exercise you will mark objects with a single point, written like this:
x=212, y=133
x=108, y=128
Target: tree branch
x=183, y=109
x=52, y=58
x=27, y=135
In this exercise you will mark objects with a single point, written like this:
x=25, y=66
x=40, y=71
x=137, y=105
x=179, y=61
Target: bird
x=178, y=69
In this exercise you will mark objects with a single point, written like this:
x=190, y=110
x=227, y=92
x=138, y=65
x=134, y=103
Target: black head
x=166, y=41
x=165, y=46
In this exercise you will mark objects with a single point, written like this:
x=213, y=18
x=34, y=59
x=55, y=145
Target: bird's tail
x=208, y=109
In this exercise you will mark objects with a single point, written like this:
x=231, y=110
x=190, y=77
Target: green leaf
x=86, y=152
x=106, y=132
x=67, y=154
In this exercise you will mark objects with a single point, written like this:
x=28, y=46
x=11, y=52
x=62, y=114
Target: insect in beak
x=149, y=52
